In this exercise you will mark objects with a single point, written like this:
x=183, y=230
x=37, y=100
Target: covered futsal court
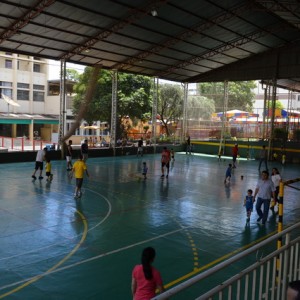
x=56, y=247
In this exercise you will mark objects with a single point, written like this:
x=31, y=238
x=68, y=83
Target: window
x=8, y=53
x=23, y=91
x=38, y=96
x=8, y=64
x=37, y=68
x=5, y=83
x=6, y=92
x=298, y=97
x=21, y=85
x=38, y=87
x=22, y=95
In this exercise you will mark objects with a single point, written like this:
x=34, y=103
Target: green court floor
x=56, y=247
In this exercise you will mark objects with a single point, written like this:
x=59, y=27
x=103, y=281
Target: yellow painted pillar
x=14, y=130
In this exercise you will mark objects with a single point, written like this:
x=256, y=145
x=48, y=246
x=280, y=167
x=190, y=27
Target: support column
x=154, y=111
x=62, y=98
x=271, y=139
x=13, y=130
x=265, y=88
x=184, y=115
x=30, y=132
x=113, y=123
x=225, y=106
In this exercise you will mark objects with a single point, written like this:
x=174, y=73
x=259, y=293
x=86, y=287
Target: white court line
x=74, y=208
x=91, y=259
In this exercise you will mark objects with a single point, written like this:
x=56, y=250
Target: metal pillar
x=114, y=100
x=272, y=119
x=225, y=107
x=62, y=99
x=184, y=115
x=265, y=88
x=154, y=111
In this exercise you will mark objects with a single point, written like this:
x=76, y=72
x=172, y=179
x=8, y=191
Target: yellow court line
x=198, y=270
x=36, y=278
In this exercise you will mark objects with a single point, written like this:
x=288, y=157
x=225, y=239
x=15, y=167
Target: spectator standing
x=85, y=150
x=69, y=156
x=165, y=162
x=188, y=145
x=276, y=178
x=263, y=157
x=145, y=278
x=235, y=152
x=40, y=157
x=140, y=147
x=264, y=191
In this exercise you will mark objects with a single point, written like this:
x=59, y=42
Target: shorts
x=48, y=174
x=165, y=164
x=85, y=156
x=39, y=165
x=69, y=158
x=79, y=182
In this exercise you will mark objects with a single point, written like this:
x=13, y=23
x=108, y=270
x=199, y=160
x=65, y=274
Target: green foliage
x=169, y=106
x=133, y=96
x=278, y=104
x=240, y=94
x=200, y=108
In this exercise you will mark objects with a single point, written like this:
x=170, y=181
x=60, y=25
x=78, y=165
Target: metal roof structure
x=183, y=41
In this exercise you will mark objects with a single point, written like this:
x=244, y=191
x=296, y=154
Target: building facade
x=31, y=113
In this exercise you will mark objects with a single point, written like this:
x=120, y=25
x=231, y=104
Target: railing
x=265, y=278
x=23, y=144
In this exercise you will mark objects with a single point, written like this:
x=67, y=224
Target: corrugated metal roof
x=188, y=41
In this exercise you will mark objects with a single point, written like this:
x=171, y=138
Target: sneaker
x=259, y=219
x=41, y=177
x=33, y=177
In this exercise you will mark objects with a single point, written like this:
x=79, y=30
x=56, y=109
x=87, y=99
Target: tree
x=278, y=104
x=240, y=94
x=133, y=97
x=169, y=106
x=200, y=108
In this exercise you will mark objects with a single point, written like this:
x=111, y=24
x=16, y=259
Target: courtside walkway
x=56, y=247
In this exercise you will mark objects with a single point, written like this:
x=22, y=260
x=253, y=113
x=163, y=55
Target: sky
x=54, y=68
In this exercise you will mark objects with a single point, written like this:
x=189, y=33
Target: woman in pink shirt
x=145, y=278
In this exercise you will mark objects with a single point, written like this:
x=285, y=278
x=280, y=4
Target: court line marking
x=71, y=238
x=90, y=259
x=52, y=269
x=218, y=260
x=137, y=244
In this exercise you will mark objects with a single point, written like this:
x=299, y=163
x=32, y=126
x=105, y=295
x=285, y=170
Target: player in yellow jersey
x=78, y=170
x=48, y=170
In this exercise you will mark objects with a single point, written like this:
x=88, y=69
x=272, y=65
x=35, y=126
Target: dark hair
x=48, y=160
x=250, y=191
x=265, y=172
x=295, y=285
x=148, y=256
x=276, y=170
x=230, y=165
x=80, y=156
